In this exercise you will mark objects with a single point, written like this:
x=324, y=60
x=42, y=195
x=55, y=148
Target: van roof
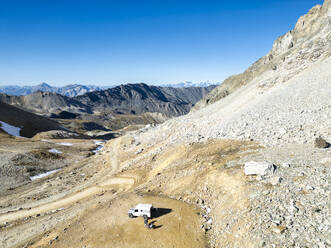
x=144, y=206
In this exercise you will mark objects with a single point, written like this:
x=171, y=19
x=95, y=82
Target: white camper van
x=144, y=210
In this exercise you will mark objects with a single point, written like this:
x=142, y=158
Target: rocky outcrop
x=291, y=53
x=258, y=168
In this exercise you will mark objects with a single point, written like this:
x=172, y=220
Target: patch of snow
x=53, y=150
x=187, y=84
x=44, y=174
x=98, y=149
x=258, y=168
x=100, y=144
x=12, y=130
x=210, y=221
x=64, y=144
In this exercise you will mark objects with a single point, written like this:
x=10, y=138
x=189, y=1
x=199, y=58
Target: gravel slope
x=293, y=112
x=288, y=208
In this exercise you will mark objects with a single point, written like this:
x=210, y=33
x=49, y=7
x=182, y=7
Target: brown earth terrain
x=86, y=203
x=22, y=158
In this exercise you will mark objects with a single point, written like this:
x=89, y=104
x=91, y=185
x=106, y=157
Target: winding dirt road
x=102, y=206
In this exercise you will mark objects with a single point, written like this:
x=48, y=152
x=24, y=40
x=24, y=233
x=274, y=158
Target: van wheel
x=145, y=217
x=130, y=215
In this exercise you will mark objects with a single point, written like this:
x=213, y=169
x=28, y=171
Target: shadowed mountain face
x=142, y=98
x=45, y=103
x=29, y=123
x=124, y=99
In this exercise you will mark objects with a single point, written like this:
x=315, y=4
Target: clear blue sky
x=122, y=41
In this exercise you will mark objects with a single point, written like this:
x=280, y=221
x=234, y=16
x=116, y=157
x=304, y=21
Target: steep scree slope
x=291, y=53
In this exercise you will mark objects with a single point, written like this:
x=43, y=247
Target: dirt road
x=109, y=226
x=95, y=215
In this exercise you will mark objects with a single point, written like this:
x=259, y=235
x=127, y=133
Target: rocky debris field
x=291, y=205
x=296, y=112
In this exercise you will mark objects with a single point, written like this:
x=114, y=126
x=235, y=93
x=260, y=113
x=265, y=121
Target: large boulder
x=258, y=168
x=321, y=143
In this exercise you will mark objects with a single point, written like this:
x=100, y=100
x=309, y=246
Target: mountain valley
x=242, y=164
x=126, y=106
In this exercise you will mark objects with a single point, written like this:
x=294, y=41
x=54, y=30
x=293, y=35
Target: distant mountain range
x=68, y=90
x=188, y=84
x=129, y=105
x=73, y=90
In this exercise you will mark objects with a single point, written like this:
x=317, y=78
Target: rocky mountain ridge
x=122, y=108
x=73, y=90
x=123, y=99
x=141, y=98
x=308, y=43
